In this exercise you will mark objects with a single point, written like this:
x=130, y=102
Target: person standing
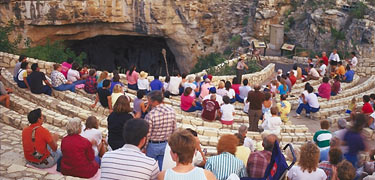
x=162, y=121
x=256, y=99
x=240, y=67
x=334, y=58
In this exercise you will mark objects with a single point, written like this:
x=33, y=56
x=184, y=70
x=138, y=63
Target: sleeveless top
x=196, y=173
x=137, y=105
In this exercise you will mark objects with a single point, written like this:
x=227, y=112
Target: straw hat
x=143, y=74
x=243, y=56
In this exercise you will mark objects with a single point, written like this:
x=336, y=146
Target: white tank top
x=196, y=174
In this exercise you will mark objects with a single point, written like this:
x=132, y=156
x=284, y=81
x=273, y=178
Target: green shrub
x=208, y=61
x=337, y=35
x=53, y=52
x=359, y=11
x=231, y=70
x=5, y=44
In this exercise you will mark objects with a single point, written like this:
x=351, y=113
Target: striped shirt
x=224, y=164
x=162, y=122
x=128, y=162
x=322, y=138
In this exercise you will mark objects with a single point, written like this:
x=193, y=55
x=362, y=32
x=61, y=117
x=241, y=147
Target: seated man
x=323, y=136
x=17, y=67
x=349, y=75
x=156, y=84
x=104, y=95
x=21, y=79
x=129, y=162
x=258, y=161
x=340, y=71
x=39, y=145
x=366, y=108
x=336, y=86
x=244, y=90
x=322, y=68
x=59, y=82
x=313, y=74
x=36, y=79
x=219, y=99
x=310, y=103
x=4, y=93
x=211, y=108
x=324, y=89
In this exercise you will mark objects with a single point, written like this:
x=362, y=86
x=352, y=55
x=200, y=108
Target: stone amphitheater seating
x=61, y=106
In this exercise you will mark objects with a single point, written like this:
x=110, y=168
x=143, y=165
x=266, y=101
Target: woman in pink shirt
x=65, y=66
x=324, y=89
x=188, y=102
x=132, y=77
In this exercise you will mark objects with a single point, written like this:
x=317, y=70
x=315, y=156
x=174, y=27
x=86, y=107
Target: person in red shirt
x=324, y=58
x=211, y=108
x=78, y=156
x=367, y=108
x=236, y=85
x=336, y=86
x=292, y=78
x=39, y=145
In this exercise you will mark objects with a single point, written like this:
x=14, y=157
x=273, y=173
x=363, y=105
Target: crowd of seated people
x=156, y=142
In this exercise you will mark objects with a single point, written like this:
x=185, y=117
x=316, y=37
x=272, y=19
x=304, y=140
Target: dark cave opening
x=120, y=52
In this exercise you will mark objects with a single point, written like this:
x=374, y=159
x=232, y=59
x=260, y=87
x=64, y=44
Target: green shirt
x=322, y=138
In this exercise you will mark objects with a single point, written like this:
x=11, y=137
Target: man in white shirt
x=129, y=162
x=322, y=68
x=244, y=90
x=353, y=61
x=310, y=103
x=174, y=84
x=313, y=74
x=219, y=99
x=334, y=58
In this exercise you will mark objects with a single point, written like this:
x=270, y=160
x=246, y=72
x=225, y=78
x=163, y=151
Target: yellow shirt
x=340, y=70
x=284, y=111
x=243, y=153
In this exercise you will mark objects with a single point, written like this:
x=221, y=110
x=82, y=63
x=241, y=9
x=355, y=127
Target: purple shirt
x=354, y=141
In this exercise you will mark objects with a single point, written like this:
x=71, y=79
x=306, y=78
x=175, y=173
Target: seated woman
x=103, y=76
x=307, y=165
x=116, y=120
x=78, y=156
x=188, y=103
x=115, y=81
x=142, y=83
x=94, y=135
x=267, y=103
x=230, y=92
x=4, y=93
x=221, y=89
x=227, y=112
x=225, y=163
x=74, y=76
x=272, y=124
x=183, y=146
x=324, y=89
x=117, y=92
x=59, y=82
x=91, y=84
x=22, y=76
x=65, y=66
x=132, y=77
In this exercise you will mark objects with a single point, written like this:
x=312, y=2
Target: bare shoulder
x=209, y=175
x=161, y=175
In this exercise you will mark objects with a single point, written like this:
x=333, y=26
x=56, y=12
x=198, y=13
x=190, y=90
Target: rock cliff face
x=191, y=27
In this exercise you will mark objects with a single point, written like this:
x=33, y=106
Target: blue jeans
x=133, y=86
x=46, y=90
x=307, y=108
x=51, y=160
x=233, y=100
x=64, y=87
x=197, y=107
x=79, y=82
x=239, y=99
x=156, y=151
x=333, y=93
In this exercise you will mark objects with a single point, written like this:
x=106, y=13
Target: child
x=272, y=124
x=284, y=108
x=94, y=135
x=352, y=106
x=140, y=107
x=90, y=84
x=104, y=96
x=227, y=111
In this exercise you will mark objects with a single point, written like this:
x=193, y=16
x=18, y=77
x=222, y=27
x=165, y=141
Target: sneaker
x=297, y=116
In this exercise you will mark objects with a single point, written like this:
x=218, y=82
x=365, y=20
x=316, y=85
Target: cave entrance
x=120, y=52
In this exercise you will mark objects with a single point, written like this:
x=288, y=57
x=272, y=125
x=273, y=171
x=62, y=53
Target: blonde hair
x=221, y=85
x=73, y=126
x=117, y=89
x=354, y=100
x=103, y=76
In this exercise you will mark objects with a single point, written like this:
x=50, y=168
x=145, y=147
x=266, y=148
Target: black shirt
x=116, y=123
x=35, y=80
x=103, y=96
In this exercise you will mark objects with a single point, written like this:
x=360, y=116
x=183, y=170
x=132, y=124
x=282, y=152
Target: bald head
x=269, y=141
x=213, y=97
x=256, y=87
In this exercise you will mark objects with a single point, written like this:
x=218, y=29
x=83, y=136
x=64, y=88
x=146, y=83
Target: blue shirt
x=349, y=76
x=282, y=91
x=113, y=84
x=324, y=155
x=224, y=165
x=156, y=84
